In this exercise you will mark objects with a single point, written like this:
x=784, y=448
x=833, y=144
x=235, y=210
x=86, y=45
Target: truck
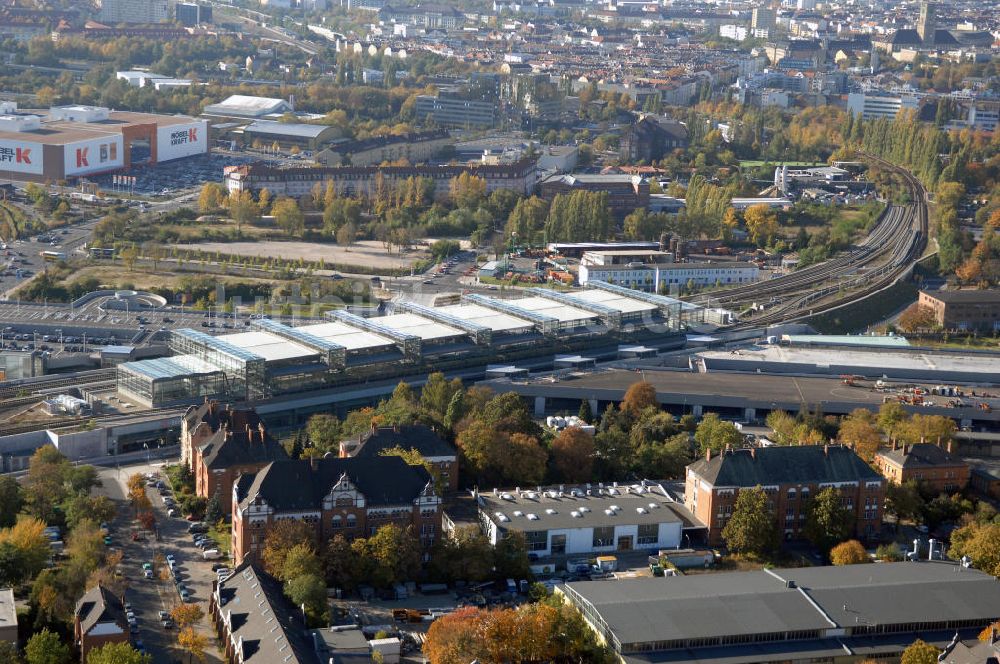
x=606, y=564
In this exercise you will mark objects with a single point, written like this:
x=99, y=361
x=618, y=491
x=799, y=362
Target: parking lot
x=171, y=177
x=150, y=596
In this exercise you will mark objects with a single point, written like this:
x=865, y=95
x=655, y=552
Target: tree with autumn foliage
x=917, y=317
x=548, y=631
x=919, y=652
x=851, y=552
x=281, y=538
x=573, y=454
x=638, y=397
x=860, y=431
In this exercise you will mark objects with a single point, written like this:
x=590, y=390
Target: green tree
x=585, y=413
x=325, y=432
x=904, y=500
x=288, y=217
x=395, y=554
x=10, y=653
x=752, y=529
x=716, y=434
x=282, y=538
x=117, y=653
x=309, y=590
x=46, y=647
x=919, y=652
x=11, y=500
x=827, y=520
x=242, y=209
x=213, y=509
x=437, y=393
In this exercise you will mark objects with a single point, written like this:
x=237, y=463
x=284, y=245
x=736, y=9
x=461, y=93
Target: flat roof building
x=288, y=134
x=807, y=614
x=8, y=616
x=585, y=520
x=77, y=141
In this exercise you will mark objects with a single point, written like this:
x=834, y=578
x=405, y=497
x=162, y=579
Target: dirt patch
x=362, y=254
x=144, y=279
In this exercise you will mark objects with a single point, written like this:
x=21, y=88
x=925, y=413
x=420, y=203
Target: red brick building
x=353, y=497
x=99, y=618
x=434, y=449
x=791, y=476
x=240, y=445
x=926, y=463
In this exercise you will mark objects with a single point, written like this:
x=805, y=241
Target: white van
x=211, y=554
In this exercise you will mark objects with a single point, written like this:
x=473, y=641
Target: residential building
x=927, y=463
x=99, y=619
x=241, y=444
x=880, y=106
x=626, y=193
x=651, y=138
x=352, y=497
x=454, y=111
x=256, y=623
x=843, y=613
x=558, y=521
x=133, y=11
x=201, y=422
x=431, y=16
x=791, y=476
x=762, y=22
x=8, y=616
x=964, y=309
x=519, y=176
x=435, y=450
x=414, y=147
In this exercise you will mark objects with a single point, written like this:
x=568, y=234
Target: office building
x=584, y=520
x=190, y=14
x=791, y=476
x=454, y=111
x=415, y=147
x=133, y=11
x=870, y=107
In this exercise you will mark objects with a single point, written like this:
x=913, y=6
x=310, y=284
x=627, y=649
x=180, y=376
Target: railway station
x=274, y=359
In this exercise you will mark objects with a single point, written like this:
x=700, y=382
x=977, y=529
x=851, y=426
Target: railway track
x=70, y=422
x=895, y=242
x=18, y=388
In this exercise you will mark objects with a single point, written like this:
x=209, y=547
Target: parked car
x=211, y=554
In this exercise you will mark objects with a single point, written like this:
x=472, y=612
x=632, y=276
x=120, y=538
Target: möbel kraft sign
x=21, y=157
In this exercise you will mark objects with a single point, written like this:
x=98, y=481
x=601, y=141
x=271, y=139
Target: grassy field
x=117, y=275
x=366, y=254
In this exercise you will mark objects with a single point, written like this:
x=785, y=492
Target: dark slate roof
x=270, y=626
x=99, y=605
x=250, y=445
x=762, y=602
x=217, y=416
x=299, y=485
x=779, y=465
x=991, y=296
x=921, y=455
x=418, y=436
x=907, y=36
x=972, y=652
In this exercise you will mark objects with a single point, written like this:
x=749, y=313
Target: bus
x=52, y=256
x=106, y=253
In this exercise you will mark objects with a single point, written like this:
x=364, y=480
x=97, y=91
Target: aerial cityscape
x=499, y=332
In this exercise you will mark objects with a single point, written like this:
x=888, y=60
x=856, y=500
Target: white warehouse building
x=584, y=520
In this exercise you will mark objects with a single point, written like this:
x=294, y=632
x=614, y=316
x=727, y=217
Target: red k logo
x=193, y=135
x=81, y=157
x=24, y=155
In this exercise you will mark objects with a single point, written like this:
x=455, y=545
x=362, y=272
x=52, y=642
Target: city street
x=149, y=596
